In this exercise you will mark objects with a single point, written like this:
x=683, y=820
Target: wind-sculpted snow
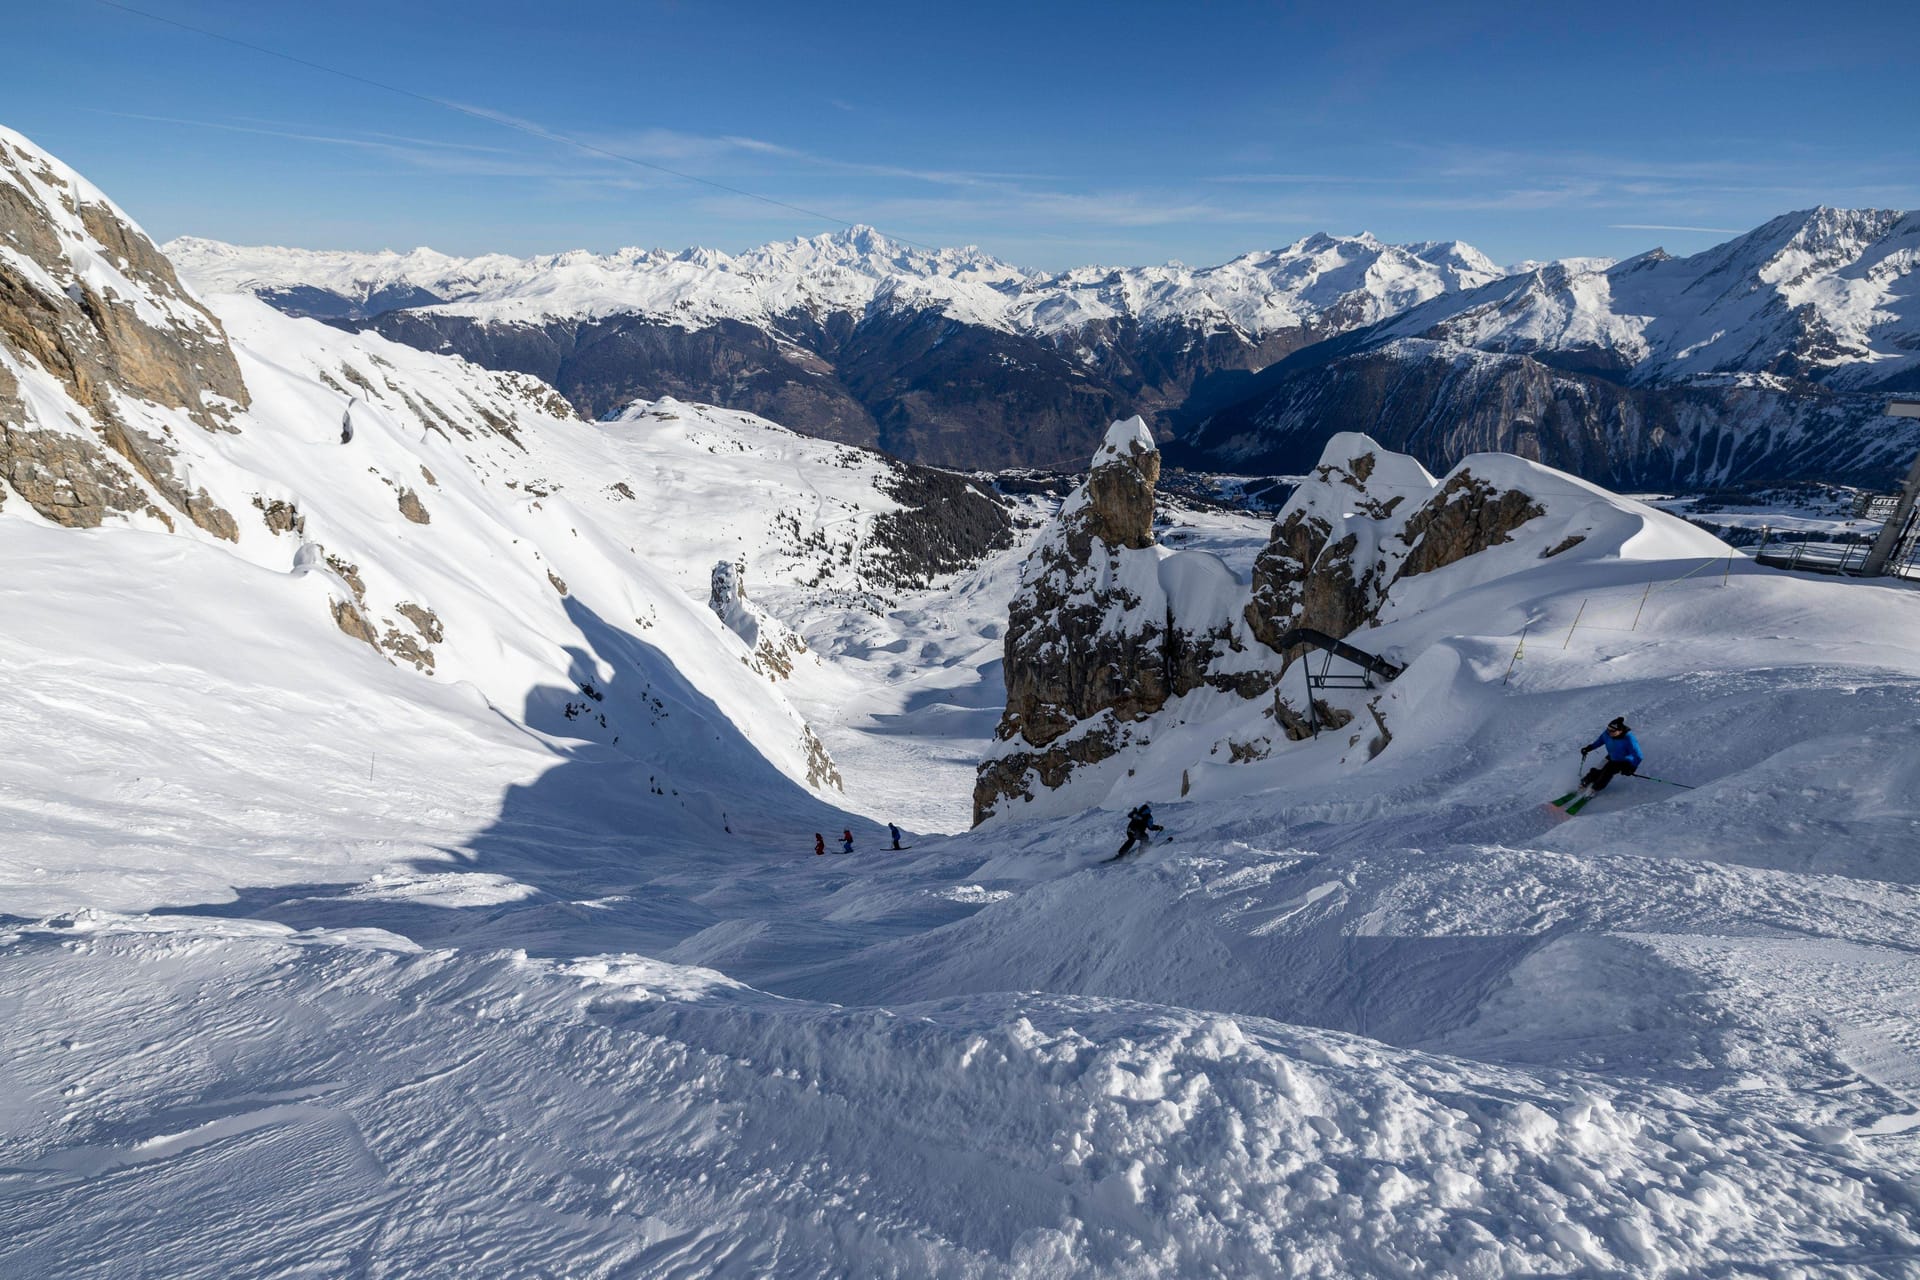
x=664, y=1121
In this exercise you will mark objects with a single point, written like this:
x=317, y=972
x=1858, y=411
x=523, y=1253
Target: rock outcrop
x=92, y=321
x=1334, y=549
x=774, y=646
x=1106, y=630
x=1115, y=643
x=1366, y=519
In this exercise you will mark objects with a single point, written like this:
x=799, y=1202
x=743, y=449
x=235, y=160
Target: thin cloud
x=1667, y=226
x=439, y=156
x=1303, y=179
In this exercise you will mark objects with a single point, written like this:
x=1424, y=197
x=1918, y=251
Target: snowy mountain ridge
x=1816, y=295
x=1356, y=277
x=1766, y=358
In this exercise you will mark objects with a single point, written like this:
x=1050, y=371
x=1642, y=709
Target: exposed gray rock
x=281, y=516
x=1334, y=548
x=424, y=620
x=136, y=334
x=1093, y=646
x=774, y=646
x=347, y=616
x=1463, y=519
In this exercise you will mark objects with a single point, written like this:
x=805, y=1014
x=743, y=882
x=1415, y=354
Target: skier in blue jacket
x=1623, y=755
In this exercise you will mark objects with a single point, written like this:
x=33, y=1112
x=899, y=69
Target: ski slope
x=493, y=1008
x=319, y=960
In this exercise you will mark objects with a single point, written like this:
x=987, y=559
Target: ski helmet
x=1618, y=723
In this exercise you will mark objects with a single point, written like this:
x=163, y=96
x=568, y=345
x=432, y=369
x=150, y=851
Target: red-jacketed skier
x=819, y=843
x=846, y=840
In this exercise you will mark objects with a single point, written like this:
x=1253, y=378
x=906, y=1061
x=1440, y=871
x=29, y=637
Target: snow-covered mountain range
x=946, y=356
x=1767, y=357
x=1319, y=281
x=1749, y=361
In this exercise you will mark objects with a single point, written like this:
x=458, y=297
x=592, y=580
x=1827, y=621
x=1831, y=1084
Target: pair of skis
x=1579, y=800
x=1144, y=844
x=1576, y=800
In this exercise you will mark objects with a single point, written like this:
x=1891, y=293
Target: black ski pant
x=1134, y=838
x=1597, y=779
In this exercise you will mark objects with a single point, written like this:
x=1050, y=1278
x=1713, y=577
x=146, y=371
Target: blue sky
x=1051, y=134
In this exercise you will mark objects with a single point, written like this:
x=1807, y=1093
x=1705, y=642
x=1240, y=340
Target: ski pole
x=1647, y=777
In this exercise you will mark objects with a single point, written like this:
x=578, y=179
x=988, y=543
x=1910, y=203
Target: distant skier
x=1139, y=823
x=819, y=843
x=895, y=833
x=1623, y=756
x=846, y=840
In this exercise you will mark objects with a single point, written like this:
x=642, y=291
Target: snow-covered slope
x=1382, y=1017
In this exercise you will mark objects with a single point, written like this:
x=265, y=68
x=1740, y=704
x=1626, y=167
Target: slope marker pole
x=1643, y=605
x=1517, y=650
x=1576, y=622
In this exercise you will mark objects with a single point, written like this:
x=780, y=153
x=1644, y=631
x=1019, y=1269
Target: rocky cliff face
x=92, y=321
x=1107, y=629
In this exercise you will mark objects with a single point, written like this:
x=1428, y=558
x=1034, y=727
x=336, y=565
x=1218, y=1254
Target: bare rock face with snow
x=92, y=320
x=449, y=519
x=1467, y=516
x=1106, y=629
x=1366, y=519
x=1334, y=547
x=775, y=646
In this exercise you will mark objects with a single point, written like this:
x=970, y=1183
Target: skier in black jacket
x=1139, y=823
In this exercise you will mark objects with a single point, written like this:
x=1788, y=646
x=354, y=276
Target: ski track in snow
x=496, y=1008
